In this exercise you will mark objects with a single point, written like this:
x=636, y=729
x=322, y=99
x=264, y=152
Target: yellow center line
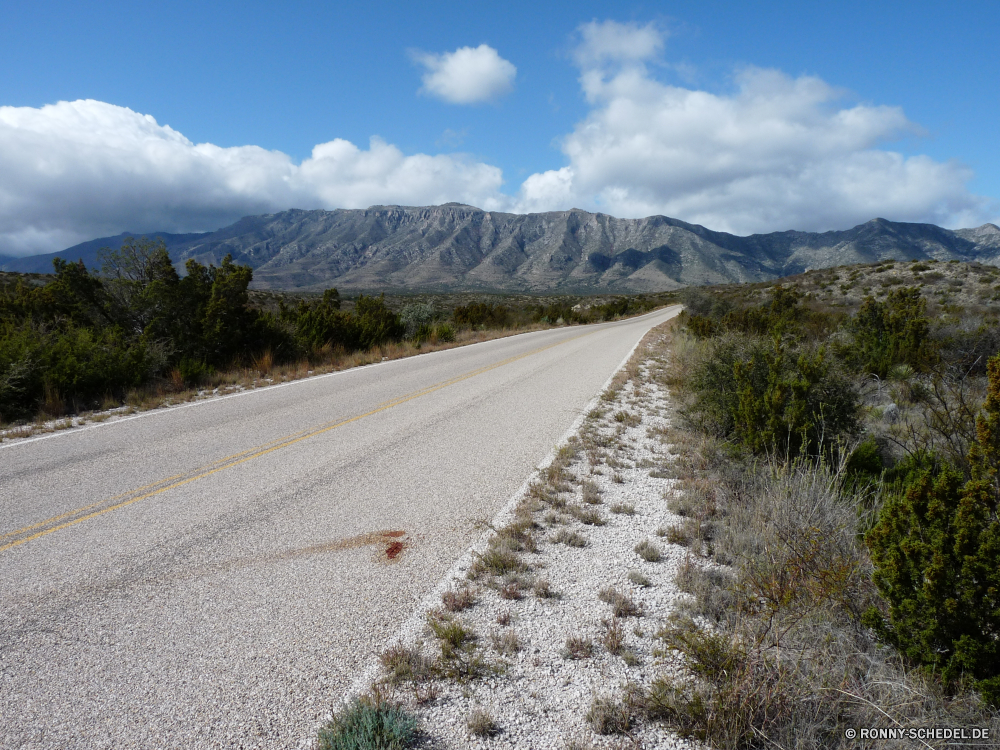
x=239, y=458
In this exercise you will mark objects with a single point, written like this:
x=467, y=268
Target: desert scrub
x=591, y=492
x=613, y=639
x=457, y=600
x=587, y=515
x=639, y=579
x=480, y=723
x=627, y=419
x=622, y=605
x=369, y=724
x=461, y=657
x=936, y=548
x=648, y=551
x=505, y=643
x=608, y=716
x=406, y=664
x=678, y=535
x=625, y=509
x=543, y=589
x=578, y=647
x=500, y=559
x=569, y=538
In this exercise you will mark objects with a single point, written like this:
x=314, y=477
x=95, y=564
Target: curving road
x=217, y=574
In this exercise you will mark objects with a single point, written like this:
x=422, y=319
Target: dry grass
x=648, y=551
x=480, y=723
x=587, y=515
x=608, y=716
x=456, y=600
x=569, y=538
x=622, y=605
x=639, y=579
x=591, y=492
x=505, y=642
x=784, y=658
x=578, y=647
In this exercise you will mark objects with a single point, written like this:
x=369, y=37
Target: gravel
x=540, y=697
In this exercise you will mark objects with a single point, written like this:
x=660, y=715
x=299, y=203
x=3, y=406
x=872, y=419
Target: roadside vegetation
x=831, y=463
x=838, y=452
x=139, y=334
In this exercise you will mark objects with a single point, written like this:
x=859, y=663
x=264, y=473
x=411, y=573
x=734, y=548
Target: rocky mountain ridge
x=458, y=247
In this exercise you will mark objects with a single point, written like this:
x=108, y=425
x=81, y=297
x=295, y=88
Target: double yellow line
x=25, y=534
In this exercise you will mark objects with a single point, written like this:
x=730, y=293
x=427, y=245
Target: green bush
x=481, y=314
x=892, y=332
x=369, y=724
x=772, y=399
x=936, y=548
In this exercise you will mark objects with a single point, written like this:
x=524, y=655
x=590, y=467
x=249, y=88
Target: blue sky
x=777, y=116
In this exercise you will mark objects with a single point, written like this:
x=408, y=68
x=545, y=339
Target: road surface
x=217, y=574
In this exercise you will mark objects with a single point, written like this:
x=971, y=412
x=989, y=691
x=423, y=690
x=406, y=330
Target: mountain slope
x=454, y=246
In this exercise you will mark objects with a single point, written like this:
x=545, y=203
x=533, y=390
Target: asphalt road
x=217, y=574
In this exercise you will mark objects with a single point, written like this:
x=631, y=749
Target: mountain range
x=456, y=247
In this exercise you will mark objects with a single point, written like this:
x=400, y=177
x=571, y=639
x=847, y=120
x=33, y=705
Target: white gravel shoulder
x=540, y=698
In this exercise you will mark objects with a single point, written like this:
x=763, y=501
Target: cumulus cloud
x=73, y=171
x=776, y=153
x=469, y=75
x=613, y=42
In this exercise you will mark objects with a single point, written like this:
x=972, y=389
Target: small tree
x=936, y=549
x=891, y=332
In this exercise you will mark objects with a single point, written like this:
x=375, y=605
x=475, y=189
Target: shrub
x=622, y=605
x=481, y=314
x=482, y=724
x=569, y=538
x=891, y=332
x=936, y=548
x=648, y=551
x=457, y=600
x=578, y=647
x=639, y=579
x=607, y=716
x=369, y=724
x=771, y=397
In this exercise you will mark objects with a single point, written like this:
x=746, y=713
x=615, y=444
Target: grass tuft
x=481, y=723
x=607, y=716
x=458, y=600
x=569, y=538
x=636, y=577
x=621, y=604
x=589, y=516
x=648, y=551
x=506, y=643
x=578, y=647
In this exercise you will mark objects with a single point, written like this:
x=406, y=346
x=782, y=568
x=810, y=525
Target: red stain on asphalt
x=394, y=549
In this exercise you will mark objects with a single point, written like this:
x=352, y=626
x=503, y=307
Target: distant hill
x=456, y=247
x=87, y=252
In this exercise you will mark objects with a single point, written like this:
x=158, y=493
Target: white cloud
x=469, y=75
x=74, y=171
x=613, y=42
x=776, y=153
